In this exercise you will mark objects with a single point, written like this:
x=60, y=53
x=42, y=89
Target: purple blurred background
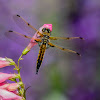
x=62, y=76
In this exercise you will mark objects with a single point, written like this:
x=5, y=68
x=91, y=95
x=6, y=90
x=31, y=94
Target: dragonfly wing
x=23, y=24
x=63, y=49
x=40, y=57
x=18, y=37
x=64, y=38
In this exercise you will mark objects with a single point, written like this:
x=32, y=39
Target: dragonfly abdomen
x=40, y=56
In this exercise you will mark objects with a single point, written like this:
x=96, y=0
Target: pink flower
x=10, y=87
x=4, y=76
x=6, y=62
x=6, y=95
x=8, y=91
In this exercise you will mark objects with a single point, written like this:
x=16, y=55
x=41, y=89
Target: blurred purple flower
x=84, y=70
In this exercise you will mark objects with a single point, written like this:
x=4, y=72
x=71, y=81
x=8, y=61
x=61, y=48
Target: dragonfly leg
x=38, y=40
x=63, y=49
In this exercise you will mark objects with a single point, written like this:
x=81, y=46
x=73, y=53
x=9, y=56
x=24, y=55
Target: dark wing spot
x=25, y=35
x=10, y=31
x=18, y=15
x=78, y=54
x=63, y=48
x=67, y=37
x=28, y=24
x=81, y=38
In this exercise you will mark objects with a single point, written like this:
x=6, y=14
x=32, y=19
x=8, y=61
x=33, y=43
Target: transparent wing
x=18, y=37
x=65, y=38
x=63, y=49
x=23, y=24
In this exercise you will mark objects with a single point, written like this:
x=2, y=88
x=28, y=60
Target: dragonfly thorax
x=45, y=41
x=45, y=37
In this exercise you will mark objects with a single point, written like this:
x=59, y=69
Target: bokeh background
x=62, y=76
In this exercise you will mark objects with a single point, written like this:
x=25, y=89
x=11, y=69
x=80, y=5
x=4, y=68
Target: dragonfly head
x=46, y=31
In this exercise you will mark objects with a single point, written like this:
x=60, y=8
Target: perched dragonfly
x=42, y=37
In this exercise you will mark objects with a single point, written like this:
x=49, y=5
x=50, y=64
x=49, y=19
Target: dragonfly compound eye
x=43, y=30
x=48, y=30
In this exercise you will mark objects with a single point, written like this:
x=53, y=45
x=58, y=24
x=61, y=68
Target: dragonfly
x=42, y=37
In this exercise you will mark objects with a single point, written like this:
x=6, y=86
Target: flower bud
x=6, y=62
x=7, y=95
x=5, y=76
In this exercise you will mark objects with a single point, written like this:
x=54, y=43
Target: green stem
x=20, y=79
x=20, y=58
x=21, y=90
